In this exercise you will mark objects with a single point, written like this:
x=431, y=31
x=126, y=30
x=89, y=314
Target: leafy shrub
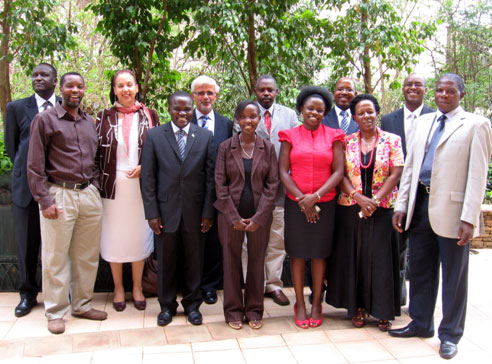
x=5, y=163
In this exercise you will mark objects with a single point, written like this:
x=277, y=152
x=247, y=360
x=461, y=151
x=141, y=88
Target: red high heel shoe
x=303, y=324
x=316, y=323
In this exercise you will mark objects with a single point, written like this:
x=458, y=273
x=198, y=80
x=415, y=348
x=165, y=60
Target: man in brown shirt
x=64, y=177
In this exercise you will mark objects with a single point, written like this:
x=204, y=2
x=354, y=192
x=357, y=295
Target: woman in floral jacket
x=364, y=272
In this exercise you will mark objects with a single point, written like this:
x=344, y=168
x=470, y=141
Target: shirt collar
x=40, y=101
x=338, y=111
x=450, y=115
x=176, y=129
x=416, y=112
x=263, y=110
x=64, y=114
x=210, y=115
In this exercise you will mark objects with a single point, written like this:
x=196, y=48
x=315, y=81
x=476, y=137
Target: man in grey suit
x=339, y=117
x=441, y=192
x=401, y=122
x=18, y=118
x=204, y=91
x=274, y=117
x=177, y=192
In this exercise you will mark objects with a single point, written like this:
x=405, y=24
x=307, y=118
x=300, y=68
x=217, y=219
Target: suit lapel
x=32, y=107
x=237, y=154
x=192, y=135
x=171, y=138
x=451, y=127
x=258, y=151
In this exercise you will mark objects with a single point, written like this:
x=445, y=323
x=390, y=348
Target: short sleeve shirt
x=311, y=157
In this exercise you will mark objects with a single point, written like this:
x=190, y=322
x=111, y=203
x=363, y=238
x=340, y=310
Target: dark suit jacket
x=394, y=123
x=222, y=129
x=331, y=120
x=229, y=179
x=18, y=118
x=173, y=189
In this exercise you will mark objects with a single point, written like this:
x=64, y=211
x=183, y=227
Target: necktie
x=204, y=121
x=345, y=121
x=426, y=169
x=181, y=142
x=46, y=105
x=410, y=127
x=268, y=121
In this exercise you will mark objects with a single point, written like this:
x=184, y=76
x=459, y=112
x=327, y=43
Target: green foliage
x=242, y=40
x=371, y=31
x=468, y=51
x=132, y=26
x=5, y=163
x=488, y=190
x=35, y=29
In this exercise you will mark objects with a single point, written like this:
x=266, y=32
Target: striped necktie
x=345, y=122
x=204, y=121
x=181, y=142
x=47, y=105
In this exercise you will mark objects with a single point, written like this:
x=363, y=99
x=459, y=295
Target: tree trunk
x=4, y=59
x=145, y=87
x=366, y=58
x=252, y=67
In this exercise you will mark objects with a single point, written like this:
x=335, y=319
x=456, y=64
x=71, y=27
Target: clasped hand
x=366, y=204
x=246, y=225
x=306, y=204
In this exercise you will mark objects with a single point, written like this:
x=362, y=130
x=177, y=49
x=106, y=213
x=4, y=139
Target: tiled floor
x=133, y=336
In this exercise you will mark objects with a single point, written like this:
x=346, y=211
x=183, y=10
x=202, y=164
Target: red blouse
x=310, y=157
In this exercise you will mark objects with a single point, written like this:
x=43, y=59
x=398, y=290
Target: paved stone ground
x=133, y=336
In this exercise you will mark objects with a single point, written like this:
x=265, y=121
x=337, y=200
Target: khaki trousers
x=70, y=251
x=275, y=253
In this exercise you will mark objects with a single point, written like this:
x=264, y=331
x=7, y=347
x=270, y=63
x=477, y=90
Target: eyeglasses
x=203, y=93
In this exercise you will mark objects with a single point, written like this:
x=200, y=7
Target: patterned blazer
x=107, y=127
x=388, y=154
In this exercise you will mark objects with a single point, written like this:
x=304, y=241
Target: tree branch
x=151, y=51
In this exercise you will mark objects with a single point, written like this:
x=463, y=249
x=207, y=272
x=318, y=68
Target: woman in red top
x=310, y=166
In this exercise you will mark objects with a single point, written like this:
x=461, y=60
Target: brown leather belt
x=70, y=186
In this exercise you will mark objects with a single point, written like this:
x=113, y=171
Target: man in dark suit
x=178, y=196
x=339, y=116
x=400, y=122
x=204, y=91
x=18, y=119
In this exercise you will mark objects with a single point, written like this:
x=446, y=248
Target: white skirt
x=126, y=235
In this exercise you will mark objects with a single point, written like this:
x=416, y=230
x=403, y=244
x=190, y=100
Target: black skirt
x=304, y=239
x=363, y=269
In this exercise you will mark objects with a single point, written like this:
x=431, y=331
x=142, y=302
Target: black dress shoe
x=25, y=306
x=210, y=297
x=165, y=317
x=195, y=317
x=448, y=350
x=409, y=331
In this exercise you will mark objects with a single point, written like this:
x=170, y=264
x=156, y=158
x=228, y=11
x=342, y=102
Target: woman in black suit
x=246, y=181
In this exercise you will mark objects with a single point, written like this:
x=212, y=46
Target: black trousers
x=168, y=246
x=426, y=252
x=212, y=261
x=28, y=239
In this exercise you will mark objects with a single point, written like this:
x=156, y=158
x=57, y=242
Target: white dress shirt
x=210, y=121
x=340, y=117
x=40, y=101
x=176, y=129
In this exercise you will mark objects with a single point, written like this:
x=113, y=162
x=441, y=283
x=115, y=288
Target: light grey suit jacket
x=459, y=172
